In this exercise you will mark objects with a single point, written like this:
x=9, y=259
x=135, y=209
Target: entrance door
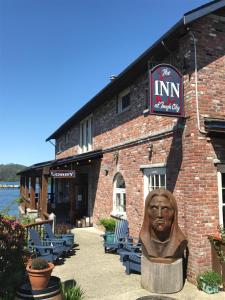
x=82, y=196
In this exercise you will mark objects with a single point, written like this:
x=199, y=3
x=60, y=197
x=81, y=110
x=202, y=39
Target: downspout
x=196, y=84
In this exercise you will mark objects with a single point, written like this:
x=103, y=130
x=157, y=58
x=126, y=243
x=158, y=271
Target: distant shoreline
x=9, y=186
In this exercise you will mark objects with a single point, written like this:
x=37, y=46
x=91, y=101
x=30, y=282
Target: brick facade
x=177, y=142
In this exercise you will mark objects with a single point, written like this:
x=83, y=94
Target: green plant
x=39, y=264
x=26, y=219
x=72, y=291
x=20, y=200
x=109, y=224
x=217, y=242
x=209, y=277
x=221, y=230
x=12, y=243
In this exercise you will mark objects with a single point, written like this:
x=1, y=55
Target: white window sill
x=118, y=214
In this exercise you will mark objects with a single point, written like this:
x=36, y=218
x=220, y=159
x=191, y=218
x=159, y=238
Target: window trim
x=116, y=190
x=220, y=194
x=86, y=134
x=119, y=109
x=158, y=169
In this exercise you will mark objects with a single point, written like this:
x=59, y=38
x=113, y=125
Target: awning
x=214, y=125
x=37, y=169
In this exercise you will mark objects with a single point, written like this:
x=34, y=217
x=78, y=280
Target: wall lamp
x=106, y=170
x=149, y=149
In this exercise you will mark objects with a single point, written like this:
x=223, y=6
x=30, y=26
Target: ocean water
x=6, y=199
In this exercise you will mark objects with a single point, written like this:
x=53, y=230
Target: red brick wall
x=188, y=154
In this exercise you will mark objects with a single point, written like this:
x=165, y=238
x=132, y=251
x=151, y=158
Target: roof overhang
x=157, y=52
x=84, y=158
x=214, y=125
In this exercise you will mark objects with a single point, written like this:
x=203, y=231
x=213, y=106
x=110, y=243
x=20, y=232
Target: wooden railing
x=37, y=226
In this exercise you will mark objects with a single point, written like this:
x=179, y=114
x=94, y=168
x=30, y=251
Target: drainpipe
x=196, y=84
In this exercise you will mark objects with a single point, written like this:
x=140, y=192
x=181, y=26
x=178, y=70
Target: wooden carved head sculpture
x=160, y=234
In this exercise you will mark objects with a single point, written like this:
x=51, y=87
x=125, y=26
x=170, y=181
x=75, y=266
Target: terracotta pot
x=39, y=278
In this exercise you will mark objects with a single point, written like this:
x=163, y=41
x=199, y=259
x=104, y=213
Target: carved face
x=161, y=214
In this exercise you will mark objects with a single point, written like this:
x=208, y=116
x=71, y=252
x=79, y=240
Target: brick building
x=120, y=151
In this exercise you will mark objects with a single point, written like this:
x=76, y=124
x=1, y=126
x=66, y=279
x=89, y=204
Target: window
x=154, y=178
x=221, y=190
x=119, y=195
x=60, y=145
x=86, y=134
x=123, y=102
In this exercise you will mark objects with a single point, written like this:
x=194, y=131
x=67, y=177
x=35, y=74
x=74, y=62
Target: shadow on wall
x=175, y=156
x=95, y=174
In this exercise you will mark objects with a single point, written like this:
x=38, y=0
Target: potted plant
x=209, y=282
x=39, y=271
x=109, y=225
x=218, y=252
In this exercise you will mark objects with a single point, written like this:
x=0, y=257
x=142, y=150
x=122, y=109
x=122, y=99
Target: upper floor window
x=123, y=101
x=154, y=178
x=86, y=134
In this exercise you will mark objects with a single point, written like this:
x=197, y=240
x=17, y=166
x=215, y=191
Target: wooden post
x=72, y=200
x=27, y=187
x=22, y=186
x=44, y=196
x=39, y=196
x=52, y=189
x=32, y=192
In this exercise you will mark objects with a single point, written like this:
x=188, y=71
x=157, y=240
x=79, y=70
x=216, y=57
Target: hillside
x=8, y=172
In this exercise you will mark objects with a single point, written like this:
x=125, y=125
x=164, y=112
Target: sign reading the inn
x=63, y=173
x=166, y=91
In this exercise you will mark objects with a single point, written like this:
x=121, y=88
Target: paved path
x=102, y=276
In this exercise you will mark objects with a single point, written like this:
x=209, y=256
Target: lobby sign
x=63, y=173
x=166, y=91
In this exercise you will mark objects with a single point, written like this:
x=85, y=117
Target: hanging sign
x=166, y=91
x=63, y=173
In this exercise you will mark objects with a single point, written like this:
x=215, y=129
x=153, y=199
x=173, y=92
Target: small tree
x=12, y=243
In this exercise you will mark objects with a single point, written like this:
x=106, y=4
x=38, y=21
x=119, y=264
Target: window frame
x=86, y=134
x=121, y=191
x=152, y=171
x=220, y=194
x=119, y=104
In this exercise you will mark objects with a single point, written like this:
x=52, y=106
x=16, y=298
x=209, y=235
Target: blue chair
x=132, y=262
x=44, y=249
x=113, y=241
x=130, y=255
x=68, y=239
x=130, y=245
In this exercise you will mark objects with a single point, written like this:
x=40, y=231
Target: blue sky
x=55, y=55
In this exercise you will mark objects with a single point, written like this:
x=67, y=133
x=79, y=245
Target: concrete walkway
x=102, y=276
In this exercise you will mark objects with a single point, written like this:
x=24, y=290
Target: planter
x=109, y=237
x=209, y=281
x=218, y=248
x=209, y=289
x=39, y=278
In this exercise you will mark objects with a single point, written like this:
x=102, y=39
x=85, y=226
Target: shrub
x=209, y=277
x=109, y=224
x=39, y=263
x=72, y=291
x=12, y=243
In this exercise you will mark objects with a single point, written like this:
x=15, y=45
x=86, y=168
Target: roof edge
x=187, y=18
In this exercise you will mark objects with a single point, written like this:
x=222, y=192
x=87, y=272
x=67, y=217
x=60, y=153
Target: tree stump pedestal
x=162, y=278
